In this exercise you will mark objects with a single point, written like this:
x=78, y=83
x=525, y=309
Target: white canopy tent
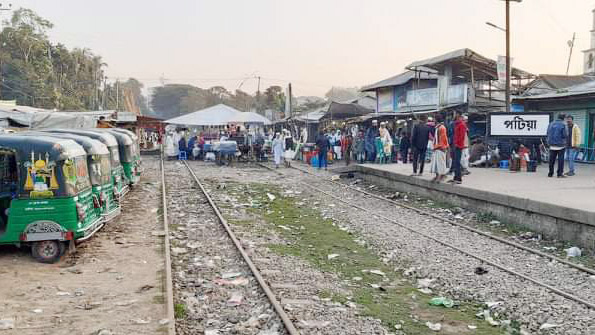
x=218, y=115
x=251, y=117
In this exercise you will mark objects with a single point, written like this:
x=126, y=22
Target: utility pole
x=508, y=67
x=104, y=92
x=507, y=56
x=290, y=94
x=258, y=97
x=95, y=94
x=117, y=95
x=571, y=45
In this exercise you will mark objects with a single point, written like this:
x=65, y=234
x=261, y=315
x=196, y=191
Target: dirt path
x=113, y=282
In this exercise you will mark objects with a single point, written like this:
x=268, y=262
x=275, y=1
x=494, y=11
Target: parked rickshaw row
x=61, y=186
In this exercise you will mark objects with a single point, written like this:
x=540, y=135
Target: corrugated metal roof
x=401, y=79
x=313, y=116
x=466, y=57
x=339, y=110
x=562, y=81
x=576, y=90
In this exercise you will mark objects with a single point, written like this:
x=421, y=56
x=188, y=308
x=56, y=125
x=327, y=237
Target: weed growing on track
x=388, y=297
x=180, y=311
x=486, y=217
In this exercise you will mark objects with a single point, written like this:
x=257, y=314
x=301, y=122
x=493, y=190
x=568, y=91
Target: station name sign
x=519, y=124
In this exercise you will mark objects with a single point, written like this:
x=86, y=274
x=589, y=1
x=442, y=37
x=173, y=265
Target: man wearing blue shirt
x=556, y=138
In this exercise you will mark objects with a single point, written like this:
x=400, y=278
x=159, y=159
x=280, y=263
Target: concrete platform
x=562, y=209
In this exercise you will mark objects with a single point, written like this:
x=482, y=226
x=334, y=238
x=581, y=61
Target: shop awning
x=340, y=111
x=37, y=118
x=311, y=117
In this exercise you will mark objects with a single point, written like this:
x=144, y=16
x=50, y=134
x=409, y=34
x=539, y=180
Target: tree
x=174, y=100
x=274, y=98
x=242, y=101
x=37, y=73
x=135, y=88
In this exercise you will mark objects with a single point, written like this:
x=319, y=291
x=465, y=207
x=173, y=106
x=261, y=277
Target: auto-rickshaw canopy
x=106, y=138
x=47, y=167
x=127, y=146
x=91, y=146
x=98, y=159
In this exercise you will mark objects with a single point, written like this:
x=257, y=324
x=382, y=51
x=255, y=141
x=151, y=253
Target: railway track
x=169, y=300
x=585, y=301
x=457, y=224
x=286, y=321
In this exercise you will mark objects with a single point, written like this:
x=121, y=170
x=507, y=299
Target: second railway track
x=474, y=246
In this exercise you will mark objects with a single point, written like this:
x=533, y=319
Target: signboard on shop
x=519, y=124
x=385, y=100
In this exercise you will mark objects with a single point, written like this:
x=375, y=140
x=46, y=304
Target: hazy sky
x=315, y=44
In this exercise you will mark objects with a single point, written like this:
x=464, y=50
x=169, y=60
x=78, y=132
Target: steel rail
x=467, y=253
x=460, y=225
x=289, y=326
x=169, y=291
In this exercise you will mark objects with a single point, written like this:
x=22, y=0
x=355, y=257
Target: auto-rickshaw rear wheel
x=48, y=251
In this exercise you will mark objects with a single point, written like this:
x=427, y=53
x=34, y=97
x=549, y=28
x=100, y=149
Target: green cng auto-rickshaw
x=127, y=154
x=118, y=176
x=46, y=198
x=100, y=173
x=136, y=156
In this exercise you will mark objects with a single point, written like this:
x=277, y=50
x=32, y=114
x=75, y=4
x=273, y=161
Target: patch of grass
x=340, y=298
x=325, y=294
x=485, y=217
x=173, y=226
x=440, y=204
x=314, y=238
x=334, y=297
x=514, y=229
x=180, y=311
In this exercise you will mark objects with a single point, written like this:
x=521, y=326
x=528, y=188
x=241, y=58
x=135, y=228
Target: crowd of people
x=259, y=144
x=448, y=147
x=445, y=144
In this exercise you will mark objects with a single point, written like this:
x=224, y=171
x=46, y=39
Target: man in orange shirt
x=460, y=132
x=438, y=165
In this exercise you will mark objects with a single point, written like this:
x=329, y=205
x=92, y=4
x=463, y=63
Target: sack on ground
x=289, y=154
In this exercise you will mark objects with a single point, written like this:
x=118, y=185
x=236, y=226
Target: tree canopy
x=173, y=100
x=36, y=72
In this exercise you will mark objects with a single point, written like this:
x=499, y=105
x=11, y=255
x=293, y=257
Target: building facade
x=461, y=80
